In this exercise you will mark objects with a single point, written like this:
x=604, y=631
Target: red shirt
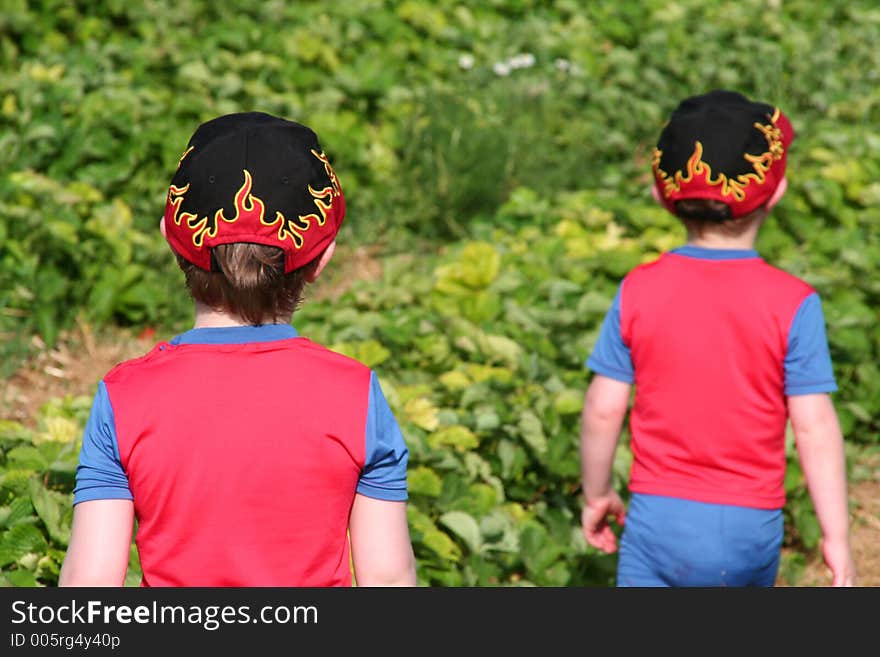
x=243, y=461
x=708, y=340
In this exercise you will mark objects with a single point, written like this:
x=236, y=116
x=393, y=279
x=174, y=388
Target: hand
x=594, y=521
x=838, y=558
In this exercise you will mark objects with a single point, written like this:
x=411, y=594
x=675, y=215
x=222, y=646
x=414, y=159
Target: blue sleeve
x=99, y=475
x=384, y=473
x=808, y=366
x=611, y=357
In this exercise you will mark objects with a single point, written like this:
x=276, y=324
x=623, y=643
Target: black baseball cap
x=253, y=177
x=725, y=147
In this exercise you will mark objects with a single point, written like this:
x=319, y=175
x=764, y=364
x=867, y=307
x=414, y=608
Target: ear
x=162, y=227
x=655, y=192
x=778, y=194
x=322, y=262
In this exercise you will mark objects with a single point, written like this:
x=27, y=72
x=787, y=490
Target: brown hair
x=700, y=214
x=250, y=283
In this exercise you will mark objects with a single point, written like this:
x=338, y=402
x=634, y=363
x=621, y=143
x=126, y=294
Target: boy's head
x=720, y=160
x=251, y=210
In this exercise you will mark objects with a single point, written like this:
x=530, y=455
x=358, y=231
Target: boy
x=248, y=455
x=722, y=349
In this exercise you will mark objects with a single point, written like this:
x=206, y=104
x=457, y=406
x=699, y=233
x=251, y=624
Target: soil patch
x=74, y=366
x=865, y=536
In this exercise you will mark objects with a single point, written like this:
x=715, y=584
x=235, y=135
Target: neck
x=721, y=242
x=207, y=317
x=712, y=239
x=708, y=238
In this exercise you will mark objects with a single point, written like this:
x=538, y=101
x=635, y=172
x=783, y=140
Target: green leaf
x=500, y=532
x=58, y=430
x=426, y=533
x=465, y=527
x=477, y=267
x=792, y=567
x=422, y=413
x=17, y=510
x=500, y=348
x=482, y=498
x=568, y=401
x=27, y=458
x=486, y=419
x=14, y=483
x=457, y=437
x=807, y=526
x=532, y=431
x=513, y=460
x=455, y=380
x=20, y=540
x=422, y=480
x=369, y=352
x=54, y=510
x=10, y=430
x=22, y=578
x=49, y=567
x=794, y=477
x=482, y=373
x=134, y=574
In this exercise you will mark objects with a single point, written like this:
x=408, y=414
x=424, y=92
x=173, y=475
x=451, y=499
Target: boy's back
x=709, y=333
x=273, y=480
x=723, y=349
x=249, y=455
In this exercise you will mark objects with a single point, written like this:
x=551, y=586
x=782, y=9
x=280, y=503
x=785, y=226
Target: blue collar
x=236, y=334
x=714, y=254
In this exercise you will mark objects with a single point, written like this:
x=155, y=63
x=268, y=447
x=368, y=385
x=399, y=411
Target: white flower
x=562, y=64
x=501, y=68
x=523, y=60
x=466, y=62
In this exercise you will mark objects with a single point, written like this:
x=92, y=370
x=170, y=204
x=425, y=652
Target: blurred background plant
x=495, y=157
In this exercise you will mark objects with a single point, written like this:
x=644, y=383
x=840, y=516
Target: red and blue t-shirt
x=242, y=449
x=714, y=341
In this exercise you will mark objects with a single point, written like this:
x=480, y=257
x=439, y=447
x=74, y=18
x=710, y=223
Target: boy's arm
x=103, y=513
x=99, y=544
x=820, y=447
x=605, y=406
x=380, y=543
x=378, y=529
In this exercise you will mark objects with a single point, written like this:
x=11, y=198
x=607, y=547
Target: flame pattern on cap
x=245, y=203
x=735, y=187
x=251, y=207
x=293, y=227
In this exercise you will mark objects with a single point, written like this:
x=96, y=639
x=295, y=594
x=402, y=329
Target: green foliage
x=37, y=469
x=515, y=134
x=434, y=114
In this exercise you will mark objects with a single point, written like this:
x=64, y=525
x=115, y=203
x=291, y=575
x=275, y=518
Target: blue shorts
x=669, y=541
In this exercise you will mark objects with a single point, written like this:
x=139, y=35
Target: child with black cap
x=249, y=455
x=723, y=349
